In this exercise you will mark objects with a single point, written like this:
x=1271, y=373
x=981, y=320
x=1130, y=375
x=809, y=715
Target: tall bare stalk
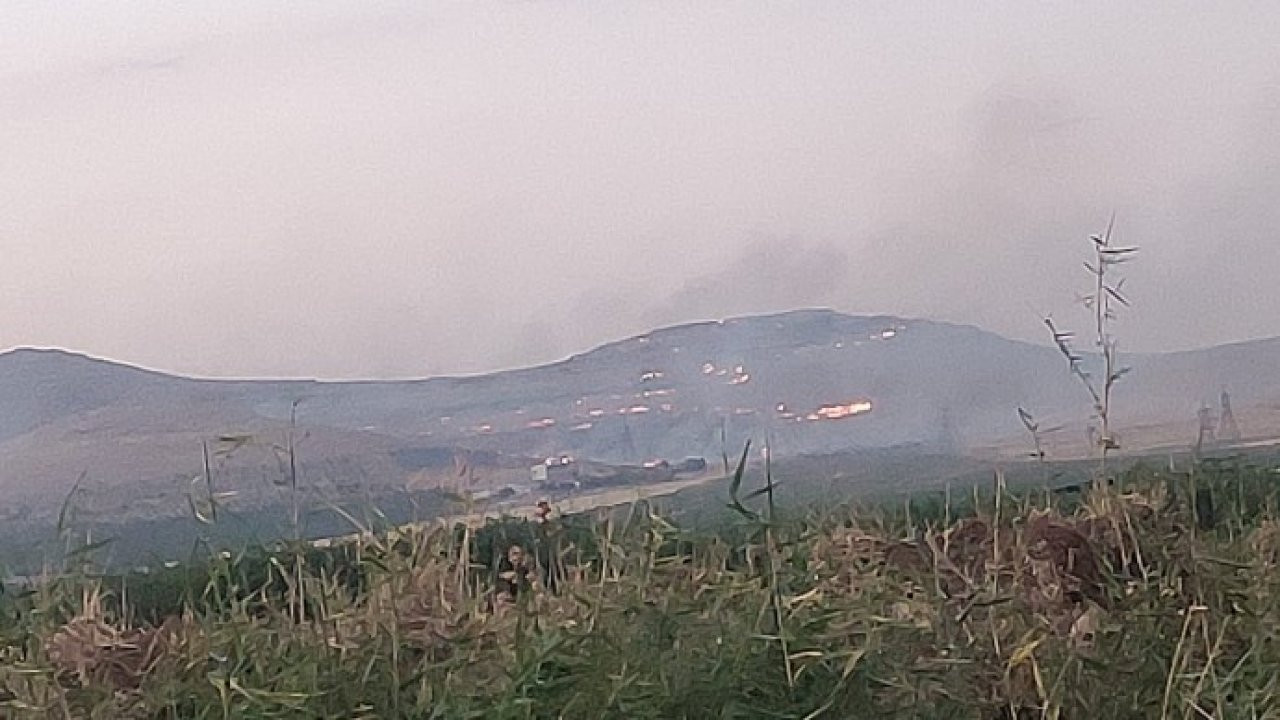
x=1037, y=433
x=1106, y=296
x=291, y=449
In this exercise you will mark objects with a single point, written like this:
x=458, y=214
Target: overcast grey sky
x=365, y=189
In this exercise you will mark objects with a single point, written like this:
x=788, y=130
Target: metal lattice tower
x=1228, y=431
x=1206, y=436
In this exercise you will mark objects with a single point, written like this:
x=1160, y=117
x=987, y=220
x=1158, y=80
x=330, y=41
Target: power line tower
x=1228, y=430
x=1206, y=436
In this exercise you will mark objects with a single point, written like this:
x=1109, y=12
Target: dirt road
x=567, y=506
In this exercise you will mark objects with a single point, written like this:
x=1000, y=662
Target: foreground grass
x=1156, y=597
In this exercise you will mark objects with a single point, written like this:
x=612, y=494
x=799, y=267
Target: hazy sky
x=369, y=189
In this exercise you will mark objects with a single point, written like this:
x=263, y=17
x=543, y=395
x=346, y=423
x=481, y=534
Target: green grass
x=930, y=608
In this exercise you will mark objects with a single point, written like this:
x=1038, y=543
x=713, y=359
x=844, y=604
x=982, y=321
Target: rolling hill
x=809, y=381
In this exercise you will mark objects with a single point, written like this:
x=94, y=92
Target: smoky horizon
x=379, y=190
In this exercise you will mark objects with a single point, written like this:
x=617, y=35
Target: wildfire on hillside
x=837, y=412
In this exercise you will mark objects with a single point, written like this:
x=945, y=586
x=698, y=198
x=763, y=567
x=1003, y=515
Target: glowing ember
x=837, y=412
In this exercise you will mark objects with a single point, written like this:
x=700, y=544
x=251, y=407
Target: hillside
x=811, y=381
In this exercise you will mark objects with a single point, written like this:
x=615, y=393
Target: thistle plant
x=1037, y=434
x=1103, y=301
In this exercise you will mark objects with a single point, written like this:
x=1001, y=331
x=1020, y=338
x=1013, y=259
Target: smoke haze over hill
x=381, y=189
x=811, y=381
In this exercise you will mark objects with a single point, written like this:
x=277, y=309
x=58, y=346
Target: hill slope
x=810, y=381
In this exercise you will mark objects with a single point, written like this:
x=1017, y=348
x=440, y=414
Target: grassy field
x=1157, y=597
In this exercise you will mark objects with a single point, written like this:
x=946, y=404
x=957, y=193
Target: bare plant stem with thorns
x=1102, y=301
